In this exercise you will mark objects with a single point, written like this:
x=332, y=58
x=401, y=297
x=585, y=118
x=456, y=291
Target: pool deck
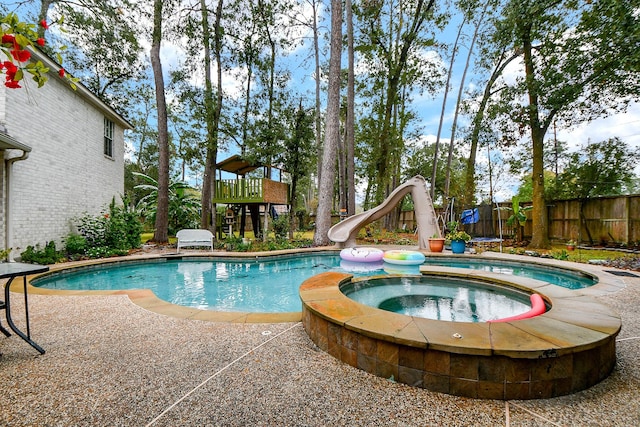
x=110, y=362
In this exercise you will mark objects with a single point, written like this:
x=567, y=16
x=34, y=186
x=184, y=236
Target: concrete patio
x=110, y=362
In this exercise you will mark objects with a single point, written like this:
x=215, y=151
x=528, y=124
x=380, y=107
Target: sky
x=626, y=126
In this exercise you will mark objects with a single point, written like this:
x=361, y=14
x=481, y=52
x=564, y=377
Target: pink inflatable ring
x=361, y=254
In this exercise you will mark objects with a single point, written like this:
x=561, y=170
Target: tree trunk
x=44, y=9
x=249, y=62
x=443, y=109
x=470, y=183
x=294, y=202
x=160, y=234
x=342, y=173
x=459, y=101
x=209, y=174
x=316, y=56
x=350, y=121
x=539, y=238
x=213, y=111
x=332, y=130
x=271, y=87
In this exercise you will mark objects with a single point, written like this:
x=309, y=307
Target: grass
x=578, y=255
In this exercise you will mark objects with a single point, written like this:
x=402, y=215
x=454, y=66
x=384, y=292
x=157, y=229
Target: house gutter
x=8, y=214
x=8, y=144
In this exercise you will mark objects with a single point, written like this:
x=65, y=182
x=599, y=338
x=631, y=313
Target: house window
x=108, y=137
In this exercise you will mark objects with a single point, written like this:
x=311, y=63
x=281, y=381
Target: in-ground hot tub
x=440, y=298
x=568, y=348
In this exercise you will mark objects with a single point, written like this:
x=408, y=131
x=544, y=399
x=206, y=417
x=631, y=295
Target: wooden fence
x=602, y=220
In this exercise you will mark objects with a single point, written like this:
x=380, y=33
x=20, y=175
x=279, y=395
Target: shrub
x=236, y=244
x=281, y=227
x=562, y=255
x=75, y=246
x=119, y=229
x=4, y=254
x=105, y=252
x=45, y=256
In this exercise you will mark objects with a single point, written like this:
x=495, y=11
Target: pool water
x=246, y=285
x=557, y=276
x=265, y=285
x=449, y=299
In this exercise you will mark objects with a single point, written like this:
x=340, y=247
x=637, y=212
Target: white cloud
x=625, y=126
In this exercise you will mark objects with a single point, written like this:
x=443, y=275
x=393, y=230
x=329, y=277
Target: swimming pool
x=254, y=285
x=571, y=279
x=268, y=284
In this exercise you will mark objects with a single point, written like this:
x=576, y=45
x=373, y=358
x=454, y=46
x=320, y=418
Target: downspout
x=8, y=216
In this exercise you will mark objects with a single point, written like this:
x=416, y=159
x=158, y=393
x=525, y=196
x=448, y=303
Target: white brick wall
x=66, y=173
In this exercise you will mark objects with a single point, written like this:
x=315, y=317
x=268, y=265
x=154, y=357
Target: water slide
x=344, y=233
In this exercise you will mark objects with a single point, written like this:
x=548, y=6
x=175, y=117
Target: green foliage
x=518, y=215
x=303, y=220
x=420, y=162
x=4, y=254
x=108, y=234
x=184, y=203
x=281, y=227
x=48, y=255
x=17, y=37
x=571, y=84
x=119, y=229
x=561, y=254
x=236, y=244
x=103, y=47
x=390, y=42
x=525, y=191
x=105, y=252
x=580, y=62
x=455, y=234
x=600, y=169
x=75, y=246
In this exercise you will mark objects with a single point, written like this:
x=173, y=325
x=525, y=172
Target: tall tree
x=213, y=108
x=332, y=130
x=93, y=29
x=316, y=4
x=600, y=169
x=454, y=51
x=297, y=154
x=394, y=36
x=477, y=27
x=273, y=81
x=160, y=234
x=580, y=61
x=478, y=122
x=248, y=52
x=349, y=138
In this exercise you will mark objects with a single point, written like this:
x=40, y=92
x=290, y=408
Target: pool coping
x=147, y=300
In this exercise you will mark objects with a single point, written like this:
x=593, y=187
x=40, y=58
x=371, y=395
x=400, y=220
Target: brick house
x=61, y=155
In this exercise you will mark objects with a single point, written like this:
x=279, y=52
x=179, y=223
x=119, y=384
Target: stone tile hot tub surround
x=567, y=349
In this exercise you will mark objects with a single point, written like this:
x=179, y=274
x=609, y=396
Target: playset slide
x=344, y=233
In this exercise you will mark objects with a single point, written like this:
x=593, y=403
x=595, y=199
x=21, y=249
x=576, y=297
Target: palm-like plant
x=518, y=217
x=184, y=203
